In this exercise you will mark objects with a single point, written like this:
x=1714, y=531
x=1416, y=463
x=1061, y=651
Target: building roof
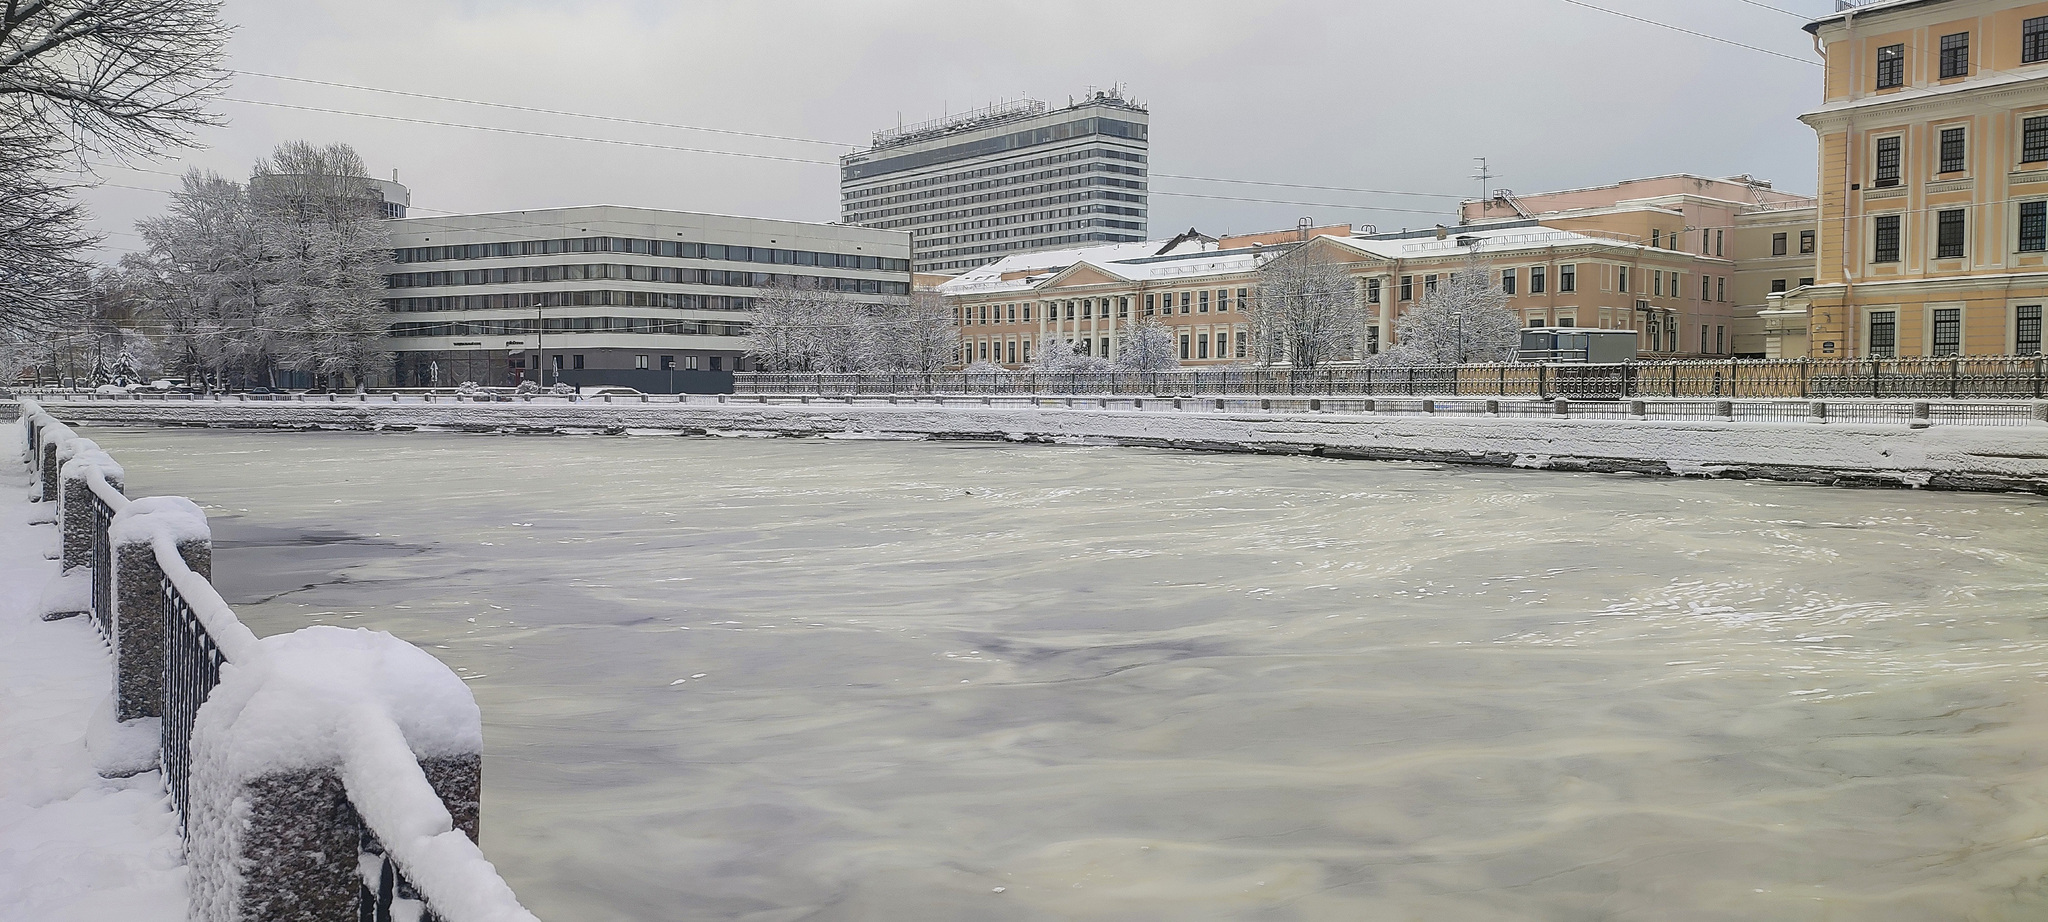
x=1467, y=240
x=1864, y=9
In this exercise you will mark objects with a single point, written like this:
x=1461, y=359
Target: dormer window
x=1891, y=66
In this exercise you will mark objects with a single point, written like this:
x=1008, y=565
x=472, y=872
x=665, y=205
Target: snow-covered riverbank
x=1977, y=458
x=73, y=845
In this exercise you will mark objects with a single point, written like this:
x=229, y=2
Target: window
x=1623, y=278
x=1243, y=340
x=1013, y=352
x=1777, y=244
x=1703, y=337
x=1706, y=288
x=1567, y=321
x=579, y=363
x=1070, y=310
x=1204, y=304
x=1222, y=300
x=1149, y=305
x=1202, y=346
x=1537, y=282
x=2026, y=329
x=1806, y=281
x=1886, y=239
x=1428, y=285
x=1241, y=295
x=2033, y=227
x=668, y=363
x=1717, y=244
x=1508, y=278
x=984, y=349
x=1884, y=334
x=1657, y=283
x=2034, y=40
x=1721, y=288
x=1671, y=336
x=2034, y=139
x=1088, y=310
x=1656, y=237
x=1407, y=288
x=1955, y=55
x=1568, y=277
x=1891, y=66
x=640, y=362
x=1184, y=346
x=1720, y=339
x=1805, y=243
x=1948, y=331
x=1372, y=291
x=1184, y=297
x=1948, y=234
x=1777, y=286
x=1887, y=168
x=1952, y=150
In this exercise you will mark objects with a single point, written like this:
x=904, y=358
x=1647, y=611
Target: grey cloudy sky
x=1380, y=94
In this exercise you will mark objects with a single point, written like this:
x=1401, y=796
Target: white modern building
x=1012, y=178
x=609, y=295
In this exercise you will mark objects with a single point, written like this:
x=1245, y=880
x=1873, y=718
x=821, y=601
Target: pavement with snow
x=73, y=845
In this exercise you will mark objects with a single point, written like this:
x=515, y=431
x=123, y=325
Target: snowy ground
x=73, y=845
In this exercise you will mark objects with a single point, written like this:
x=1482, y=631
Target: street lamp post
x=1459, y=319
x=540, y=340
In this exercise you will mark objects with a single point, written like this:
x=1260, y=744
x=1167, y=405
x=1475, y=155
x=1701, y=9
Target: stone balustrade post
x=48, y=467
x=138, y=597
x=76, y=508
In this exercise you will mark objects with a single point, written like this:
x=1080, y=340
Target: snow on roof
x=1464, y=241
x=1024, y=270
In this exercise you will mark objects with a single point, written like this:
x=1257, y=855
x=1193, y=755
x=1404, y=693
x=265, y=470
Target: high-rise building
x=1011, y=178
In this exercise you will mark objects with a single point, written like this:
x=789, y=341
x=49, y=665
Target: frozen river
x=777, y=680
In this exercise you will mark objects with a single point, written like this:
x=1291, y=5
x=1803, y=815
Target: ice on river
x=750, y=679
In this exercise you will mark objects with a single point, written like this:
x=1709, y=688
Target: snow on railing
x=324, y=773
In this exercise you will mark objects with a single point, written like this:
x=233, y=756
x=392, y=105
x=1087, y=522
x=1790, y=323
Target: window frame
x=1954, y=159
x=1955, y=55
x=1890, y=71
x=1944, y=333
x=2033, y=136
x=2034, y=40
x=1887, y=162
x=1567, y=278
x=2020, y=324
x=1807, y=242
x=1949, y=220
x=1888, y=321
x=1510, y=280
x=1539, y=281
x=1887, y=233
x=1780, y=244
x=2031, y=234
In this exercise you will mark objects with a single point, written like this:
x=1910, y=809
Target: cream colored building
x=1747, y=242
x=1933, y=214
x=1200, y=286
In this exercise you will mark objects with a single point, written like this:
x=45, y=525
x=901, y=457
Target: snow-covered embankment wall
x=1950, y=457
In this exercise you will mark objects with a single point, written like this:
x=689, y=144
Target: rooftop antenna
x=1484, y=175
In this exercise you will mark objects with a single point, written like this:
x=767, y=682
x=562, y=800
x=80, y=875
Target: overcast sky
x=1396, y=95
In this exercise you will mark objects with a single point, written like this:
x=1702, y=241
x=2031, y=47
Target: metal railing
x=201, y=635
x=192, y=664
x=1953, y=378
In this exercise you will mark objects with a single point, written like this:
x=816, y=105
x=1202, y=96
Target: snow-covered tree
x=918, y=335
x=1305, y=311
x=1148, y=345
x=325, y=244
x=80, y=79
x=799, y=325
x=1464, y=320
x=201, y=281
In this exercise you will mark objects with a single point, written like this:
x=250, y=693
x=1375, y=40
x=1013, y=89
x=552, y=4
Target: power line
x=1704, y=35
x=527, y=132
x=539, y=110
x=1776, y=9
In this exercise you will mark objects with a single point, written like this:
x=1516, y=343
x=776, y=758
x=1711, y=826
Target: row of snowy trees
x=1307, y=313
x=284, y=272
x=803, y=327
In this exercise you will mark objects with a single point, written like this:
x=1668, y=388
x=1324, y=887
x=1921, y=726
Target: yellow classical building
x=1933, y=188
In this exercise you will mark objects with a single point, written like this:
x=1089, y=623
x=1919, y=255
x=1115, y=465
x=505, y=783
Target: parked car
x=110, y=390
x=612, y=392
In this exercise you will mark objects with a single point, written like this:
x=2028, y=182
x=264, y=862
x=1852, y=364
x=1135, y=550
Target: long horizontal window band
x=1013, y=166
x=524, y=327
x=1016, y=140
x=677, y=249
x=532, y=299
x=671, y=275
